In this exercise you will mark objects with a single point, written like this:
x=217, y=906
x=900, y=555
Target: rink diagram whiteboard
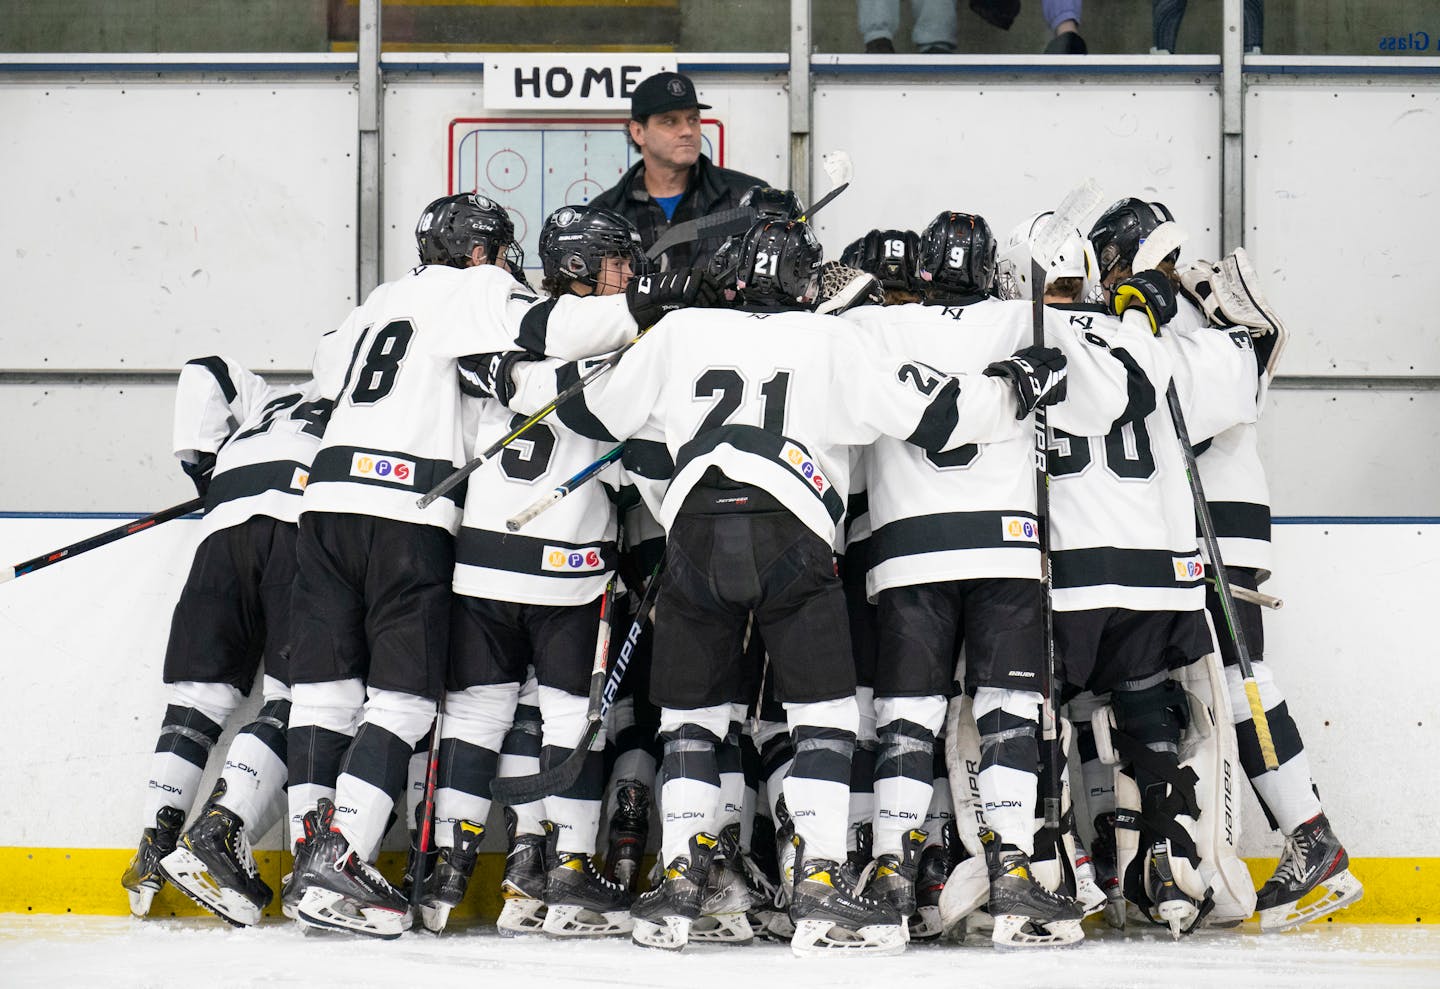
x=535, y=165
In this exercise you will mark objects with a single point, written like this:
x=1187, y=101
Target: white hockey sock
x=474, y=727
x=520, y=754
x=323, y=720
x=905, y=766
x=1287, y=793
x=575, y=812
x=940, y=812
x=255, y=770
x=690, y=791
x=817, y=788
x=369, y=783
x=732, y=771
x=194, y=719
x=1009, y=724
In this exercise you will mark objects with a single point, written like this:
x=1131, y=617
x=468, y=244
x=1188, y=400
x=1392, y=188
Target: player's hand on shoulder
x=200, y=472
x=1152, y=291
x=488, y=375
x=1037, y=374
x=652, y=296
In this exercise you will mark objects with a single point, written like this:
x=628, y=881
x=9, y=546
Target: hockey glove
x=488, y=375
x=1150, y=290
x=1038, y=374
x=200, y=472
x=652, y=296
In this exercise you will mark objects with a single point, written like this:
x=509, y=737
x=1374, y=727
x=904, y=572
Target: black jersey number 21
x=726, y=387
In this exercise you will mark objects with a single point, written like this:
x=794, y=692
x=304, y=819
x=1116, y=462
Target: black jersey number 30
x=376, y=377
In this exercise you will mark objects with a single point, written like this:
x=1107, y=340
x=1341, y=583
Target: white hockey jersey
x=264, y=437
x=971, y=512
x=1222, y=411
x=397, y=426
x=774, y=399
x=1122, y=529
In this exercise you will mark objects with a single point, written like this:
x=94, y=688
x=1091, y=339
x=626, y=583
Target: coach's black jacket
x=711, y=190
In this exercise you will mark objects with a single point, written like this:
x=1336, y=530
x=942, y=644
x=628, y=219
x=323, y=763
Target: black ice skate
x=341, y=892
x=1025, y=913
x=726, y=899
x=935, y=866
x=143, y=878
x=663, y=916
x=1313, y=859
x=290, y=890
x=579, y=901
x=829, y=918
x=523, y=887
x=894, y=877
x=1170, y=905
x=1102, y=859
x=446, y=885
x=213, y=865
x=629, y=830
x=425, y=859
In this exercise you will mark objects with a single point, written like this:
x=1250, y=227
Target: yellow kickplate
x=1397, y=890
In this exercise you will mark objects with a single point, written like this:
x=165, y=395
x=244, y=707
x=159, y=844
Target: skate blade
x=191, y=876
x=520, y=916
x=434, y=917
x=925, y=925
x=818, y=938
x=566, y=920
x=140, y=900
x=323, y=908
x=1178, y=915
x=1016, y=931
x=1340, y=890
x=671, y=935
x=722, y=928
x=1090, y=897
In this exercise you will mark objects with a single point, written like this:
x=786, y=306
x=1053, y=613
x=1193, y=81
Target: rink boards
x=84, y=641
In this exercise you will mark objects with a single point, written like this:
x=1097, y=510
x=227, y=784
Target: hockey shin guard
x=323, y=720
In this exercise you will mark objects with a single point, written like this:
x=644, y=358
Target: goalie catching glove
x=1152, y=291
x=652, y=296
x=842, y=288
x=1038, y=374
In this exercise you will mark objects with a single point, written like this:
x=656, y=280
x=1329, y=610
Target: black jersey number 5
x=376, y=377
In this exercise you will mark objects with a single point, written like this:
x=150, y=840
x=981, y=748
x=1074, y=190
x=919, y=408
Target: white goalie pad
x=1229, y=292
x=968, y=887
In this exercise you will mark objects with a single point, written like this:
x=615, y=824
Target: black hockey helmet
x=773, y=204
x=779, y=263
x=451, y=228
x=854, y=252
x=957, y=255
x=723, y=263
x=1122, y=228
x=576, y=240
x=892, y=256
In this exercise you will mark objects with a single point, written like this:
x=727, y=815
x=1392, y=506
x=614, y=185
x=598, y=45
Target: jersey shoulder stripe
x=575, y=413
x=648, y=458
x=217, y=368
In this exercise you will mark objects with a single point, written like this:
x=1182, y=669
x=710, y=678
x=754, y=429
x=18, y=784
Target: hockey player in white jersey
x=1224, y=429
x=533, y=599
x=757, y=407
x=956, y=564
x=247, y=444
x=372, y=597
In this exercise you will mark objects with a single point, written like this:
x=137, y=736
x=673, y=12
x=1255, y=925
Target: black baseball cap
x=664, y=91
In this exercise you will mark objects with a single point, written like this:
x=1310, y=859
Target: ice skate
x=290, y=891
x=143, y=878
x=1170, y=905
x=629, y=830
x=426, y=859
x=724, y=902
x=341, y=892
x=1313, y=860
x=448, y=880
x=214, y=865
x=1025, y=913
x=893, y=879
x=1102, y=860
x=925, y=922
x=829, y=918
x=580, y=902
x=523, y=887
x=663, y=916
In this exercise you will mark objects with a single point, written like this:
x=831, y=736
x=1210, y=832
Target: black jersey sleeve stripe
x=220, y=372
x=941, y=417
x=575, y=413
x=534, y=326
x=648, y=458
x=1241, y=520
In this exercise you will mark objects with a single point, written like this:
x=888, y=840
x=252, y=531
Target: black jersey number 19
x=376, y=377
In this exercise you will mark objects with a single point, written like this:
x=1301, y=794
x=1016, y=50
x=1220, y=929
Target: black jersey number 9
x=528, y=458
x=376, y=377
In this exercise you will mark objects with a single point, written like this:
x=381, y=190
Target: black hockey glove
x=1151, y=290
x=652, y=296
x=488, y=375
x=1038, y=374
x=200, y=472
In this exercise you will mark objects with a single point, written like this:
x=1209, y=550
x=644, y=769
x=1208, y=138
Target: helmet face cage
x=576, y=240
x=451, y=228
x=892, y=256
x=773, y=204
x=1120, y=231
x=779, y=263
x=957, y=255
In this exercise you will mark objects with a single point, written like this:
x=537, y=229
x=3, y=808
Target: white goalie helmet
x=1076, y=259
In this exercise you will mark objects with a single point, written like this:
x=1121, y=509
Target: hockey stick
x=426, y=836
x=1046, y=243
x=1252, y=597
x=103, y=539
x=518, y=521
x=736, y=220
x=841, y=170
x=515, y=790
x=1222, y=581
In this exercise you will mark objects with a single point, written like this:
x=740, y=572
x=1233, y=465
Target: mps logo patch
x=562, y=559
x=1189, y=568
x=1014, y=529
x=376, y=467
x=299, y=479
x=801, y=463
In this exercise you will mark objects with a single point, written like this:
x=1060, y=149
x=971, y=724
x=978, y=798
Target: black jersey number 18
x=376, y=377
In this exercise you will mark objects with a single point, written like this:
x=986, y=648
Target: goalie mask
x=892, y=256
x=576, y=240
x=957, y=256
x=1120, y=231
x=773, y=204
x=779, y=264
x=1076, y=259
x=452, y=227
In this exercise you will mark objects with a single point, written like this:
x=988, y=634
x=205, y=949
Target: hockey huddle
x=890, y=536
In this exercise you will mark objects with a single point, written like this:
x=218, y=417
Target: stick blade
x=1165, y=238
x=838, y=167
x=516, y=790
x=1072, y=212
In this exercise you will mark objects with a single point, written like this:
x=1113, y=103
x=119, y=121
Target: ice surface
x=108, y=951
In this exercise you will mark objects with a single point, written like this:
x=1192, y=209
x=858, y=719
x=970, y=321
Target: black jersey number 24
x=376, y=377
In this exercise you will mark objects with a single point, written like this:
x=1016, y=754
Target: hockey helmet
x=773, y=204
x=1076, y=259
x=452, y=227
x=957, y=255
x=1122, y=228
x=576, y=240
x=779, y=263
x=892, y=256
